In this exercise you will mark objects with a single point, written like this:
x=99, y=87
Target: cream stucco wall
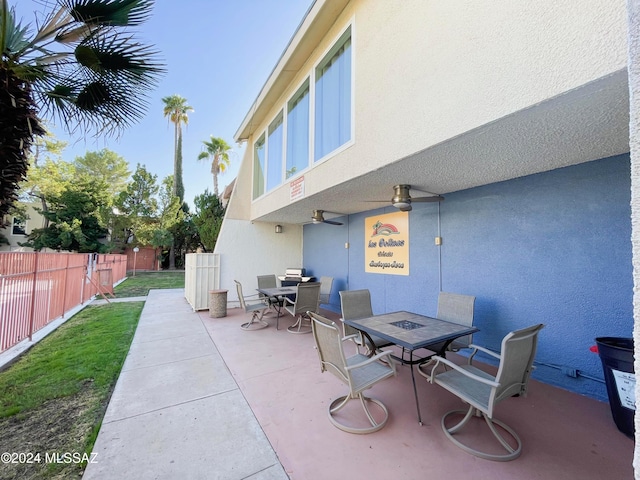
x=248, y=250
x=428, y=71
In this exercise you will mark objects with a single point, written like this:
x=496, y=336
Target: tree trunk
x=172, y=258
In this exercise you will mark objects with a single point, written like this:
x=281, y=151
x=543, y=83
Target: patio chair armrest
x=460, y=370
x=478, y=348
x=288, y=300
x=353, y=336
x=375, y=358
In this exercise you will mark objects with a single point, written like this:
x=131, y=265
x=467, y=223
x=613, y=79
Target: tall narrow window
x=258, y=167
x=19, y=227
x=298, y=131
x=333, y=98
x=274, y=153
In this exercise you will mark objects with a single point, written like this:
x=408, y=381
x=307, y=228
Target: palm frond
x=109, y=12
x=115, y=53
x=13, y=36
x=55, y=22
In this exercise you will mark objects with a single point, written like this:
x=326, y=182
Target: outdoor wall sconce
x=278, y=228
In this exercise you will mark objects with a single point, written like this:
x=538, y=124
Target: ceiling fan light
x=401, y=204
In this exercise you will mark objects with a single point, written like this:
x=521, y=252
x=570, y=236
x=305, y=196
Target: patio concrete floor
x=200, y=398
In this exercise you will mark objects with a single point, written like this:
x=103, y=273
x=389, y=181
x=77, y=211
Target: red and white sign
x=296, y=189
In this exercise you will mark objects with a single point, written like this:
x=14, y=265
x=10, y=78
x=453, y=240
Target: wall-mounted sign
x=296, y=189
x=386, y=246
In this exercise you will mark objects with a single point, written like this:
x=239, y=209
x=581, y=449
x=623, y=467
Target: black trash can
x=616, y=354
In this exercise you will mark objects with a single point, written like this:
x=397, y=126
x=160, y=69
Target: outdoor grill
x=294, y=276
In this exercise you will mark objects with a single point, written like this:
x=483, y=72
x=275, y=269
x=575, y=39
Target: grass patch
x=53, y=398
x=140, y=285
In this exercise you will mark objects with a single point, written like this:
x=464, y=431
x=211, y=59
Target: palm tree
x=218, y=151
x=176, y=109
x=81, y=66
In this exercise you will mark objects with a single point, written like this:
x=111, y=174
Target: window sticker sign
x=387, y=244
x=626, y=386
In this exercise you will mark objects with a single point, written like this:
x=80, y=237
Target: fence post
x=64, y=287
x=33, y=296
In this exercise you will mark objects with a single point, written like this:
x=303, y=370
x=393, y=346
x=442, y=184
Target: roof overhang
x=581, y=125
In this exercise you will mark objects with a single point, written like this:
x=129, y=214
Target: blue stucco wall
x=552, y=248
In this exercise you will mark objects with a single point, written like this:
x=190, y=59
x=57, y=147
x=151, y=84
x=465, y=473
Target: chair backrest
x=329, y=345
x=355, y=304
x=516, y=361
x=307, y=298
x=457, y=308
x=326, y=283
x=267, y=281
x=243, y=304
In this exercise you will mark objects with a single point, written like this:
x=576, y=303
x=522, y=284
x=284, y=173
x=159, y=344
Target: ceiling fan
x=402, y=200
x=318, y=217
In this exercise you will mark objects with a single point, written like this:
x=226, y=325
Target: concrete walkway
x=176, y=411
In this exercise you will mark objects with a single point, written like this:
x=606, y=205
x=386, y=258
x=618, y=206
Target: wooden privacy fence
x=36, y=288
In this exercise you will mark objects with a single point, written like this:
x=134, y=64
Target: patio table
x=411, y=331
x=276, y=293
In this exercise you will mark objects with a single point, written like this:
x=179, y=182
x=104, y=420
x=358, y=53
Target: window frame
x=277, y=123
x=337, y=44
x=296, y=97
x=259, y=189
x=309, y=81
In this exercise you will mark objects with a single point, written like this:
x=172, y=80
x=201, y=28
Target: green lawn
x=53, y=399
x=140, y=284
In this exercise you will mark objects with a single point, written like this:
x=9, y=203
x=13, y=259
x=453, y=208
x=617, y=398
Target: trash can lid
x=621, y=343
x=218, y=291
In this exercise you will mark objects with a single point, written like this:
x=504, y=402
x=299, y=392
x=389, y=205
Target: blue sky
x=219, y=54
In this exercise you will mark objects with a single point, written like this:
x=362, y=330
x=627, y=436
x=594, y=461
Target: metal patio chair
x=357, y=304
x=326, y=284
x=307, y=300
x=454, y=308
x=257, y=311
x=359, y=372
x=483, y=391
x=274, y=303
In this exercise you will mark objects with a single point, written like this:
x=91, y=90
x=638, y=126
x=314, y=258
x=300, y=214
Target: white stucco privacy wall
x=247, y=250
x=634, y=143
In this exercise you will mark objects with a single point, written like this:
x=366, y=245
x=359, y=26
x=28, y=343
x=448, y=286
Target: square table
x=411, y=331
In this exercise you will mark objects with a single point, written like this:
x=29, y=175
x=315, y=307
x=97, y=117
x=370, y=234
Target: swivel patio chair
x=274, y=303
x=307, y=300
x=483, y=391
x=454, y=308
x=359, y=372
x=257, y=311
x=326, y=283
x=357, y=304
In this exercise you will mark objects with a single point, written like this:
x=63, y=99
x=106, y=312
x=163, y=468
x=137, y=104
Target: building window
x=275, y=153
x=298, y=131
x=259, y=159
x=333, y=98
x=19, y=227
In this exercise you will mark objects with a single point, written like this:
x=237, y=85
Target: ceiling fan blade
x=435, y=198
x=318, y=217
